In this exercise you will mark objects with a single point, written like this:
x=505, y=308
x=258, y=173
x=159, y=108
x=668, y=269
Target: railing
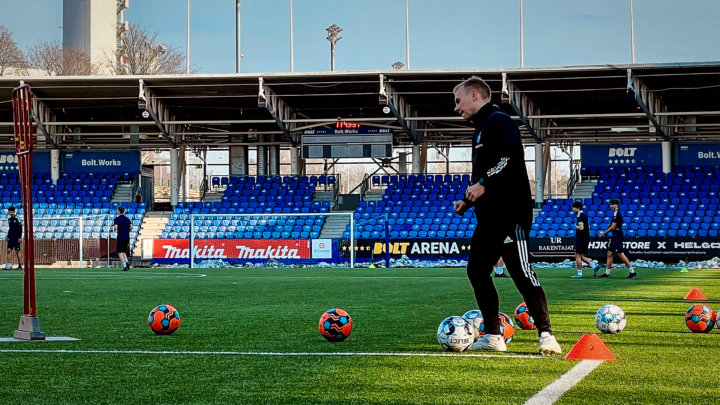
x=364, y=185
x=203, y=188
x=574, y=178
x=135, y=186
x=336, y=191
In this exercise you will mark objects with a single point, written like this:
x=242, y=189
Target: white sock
x=607, y=271
x=631, y=270
x=579, y=272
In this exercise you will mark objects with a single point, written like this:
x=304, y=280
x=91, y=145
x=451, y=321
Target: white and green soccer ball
x=475, y=318
x=610, y=319
x=455, y=334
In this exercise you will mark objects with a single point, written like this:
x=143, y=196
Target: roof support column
x=174, y=177
x=54, y=165
x=648, y=102
x=41, y=116
x=279, y=110
x=524, y=107
x=539, y=176
x=401, y=109
x=295, y=161
x=416, y=166
x=667, y=156
x=149, y=102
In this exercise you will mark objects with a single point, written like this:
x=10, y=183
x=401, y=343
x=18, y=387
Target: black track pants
x=510, y=243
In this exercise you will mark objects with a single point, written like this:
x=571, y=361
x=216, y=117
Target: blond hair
x=477, y=84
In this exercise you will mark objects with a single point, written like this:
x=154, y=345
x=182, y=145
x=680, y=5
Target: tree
x=142, y=54
x=12, y=60
x=54, y=60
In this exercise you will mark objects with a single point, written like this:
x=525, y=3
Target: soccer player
x=122, y=226
x=500, y=193
x=582, y=238
x=500, y=269
x=13, y=239
x=616, y=243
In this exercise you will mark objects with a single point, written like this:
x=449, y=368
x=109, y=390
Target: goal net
x=64, y=240
x=264, y=239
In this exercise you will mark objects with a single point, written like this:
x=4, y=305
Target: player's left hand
x=474, y=192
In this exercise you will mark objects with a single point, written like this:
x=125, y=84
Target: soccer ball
x=523, y=318
x=474, y=318
x=610, y=319
x=8, y=266
x=700, y=318
x=335, y=325
x=507, y=327
x=455, y=334
x=164, y=320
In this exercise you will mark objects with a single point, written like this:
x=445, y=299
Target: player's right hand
x=460, y=207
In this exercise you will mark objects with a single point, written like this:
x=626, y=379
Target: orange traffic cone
x=590, y=347
x=696, y=295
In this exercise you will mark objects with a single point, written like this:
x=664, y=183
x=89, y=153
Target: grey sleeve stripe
x=499, y=167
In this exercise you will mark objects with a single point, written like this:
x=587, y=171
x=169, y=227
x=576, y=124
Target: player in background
x=616, y=243
x=122, y=226
x=500, y=193
x=13, y=239
x=582, y=238
x=500, y=269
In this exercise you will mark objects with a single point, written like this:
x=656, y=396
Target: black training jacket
x=499, y=165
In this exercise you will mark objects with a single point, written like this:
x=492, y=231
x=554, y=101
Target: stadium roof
x=620, y=103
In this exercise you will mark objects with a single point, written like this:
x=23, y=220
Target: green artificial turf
x=394, y=311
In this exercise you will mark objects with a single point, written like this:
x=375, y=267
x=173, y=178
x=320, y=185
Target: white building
x=94, y=26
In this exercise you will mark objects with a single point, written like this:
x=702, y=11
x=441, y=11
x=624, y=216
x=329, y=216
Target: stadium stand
x=74, y=195
x=417, y=207
x=274, y=198
x=684, y=202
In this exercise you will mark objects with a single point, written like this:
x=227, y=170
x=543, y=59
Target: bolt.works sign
x=82, y=161
x=621, y=155
x=699, y=154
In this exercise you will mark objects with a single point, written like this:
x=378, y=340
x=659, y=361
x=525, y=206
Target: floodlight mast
x=333, y=37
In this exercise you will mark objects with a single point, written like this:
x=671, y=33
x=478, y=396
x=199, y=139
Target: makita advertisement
x=658, y=248
x=699, y=154
x=621, y=155
x=83, y=161
x=242, y=250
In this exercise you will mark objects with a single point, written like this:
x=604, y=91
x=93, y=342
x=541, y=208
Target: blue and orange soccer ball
x=164, y=320
x=700, y=318
x=507, y=327
x=335, y=325
x=523, y=318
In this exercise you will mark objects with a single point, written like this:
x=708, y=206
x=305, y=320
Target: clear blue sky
x=447, y=34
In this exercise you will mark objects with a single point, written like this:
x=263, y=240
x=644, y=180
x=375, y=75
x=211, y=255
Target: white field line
x=287, y=354
x=554, y=391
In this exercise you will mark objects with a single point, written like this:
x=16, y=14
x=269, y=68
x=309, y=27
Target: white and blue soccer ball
x=8, y=266
x=475, y=318
x=455, y=334
x=610, y=319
